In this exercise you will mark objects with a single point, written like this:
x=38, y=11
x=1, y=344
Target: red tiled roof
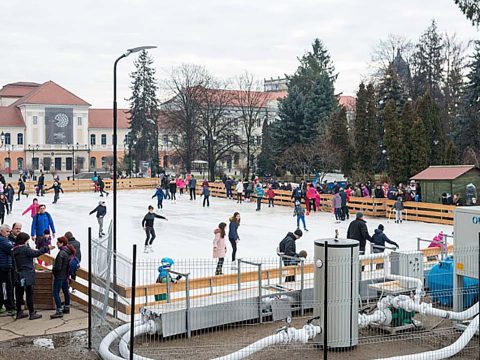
x=443, y=172
x=11, y=116
x=17, y=89
x=103, y=118
x=349, y=102
x=52, y=94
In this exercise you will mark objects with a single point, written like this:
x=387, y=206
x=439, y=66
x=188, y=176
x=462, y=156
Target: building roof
x=103, y=118
x=450, y=172
x=11, y=116
x=18, y=89
x=349, y=102
x=52, y=94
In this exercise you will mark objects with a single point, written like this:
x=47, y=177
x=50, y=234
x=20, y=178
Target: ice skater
x=21, y=189
x=101, y=211
x=101, y=186
x=147, y=224
x=219, y=247
x=233, y=235
x=172, y=185
x=299, y=212
x=56, y=190
x=33, y=208
x=206, y=195
x=160, y=196
x=239, y=189
x=398, y=207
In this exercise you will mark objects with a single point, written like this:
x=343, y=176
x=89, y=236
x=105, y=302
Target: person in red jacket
x=271, y=196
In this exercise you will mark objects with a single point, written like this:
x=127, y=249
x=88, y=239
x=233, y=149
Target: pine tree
x=361, y=129
x=428, y=63
x=468, y=135
x=266, y=159
x=419, y=152
x=431, y=115
x=372, y=150
x=407, y=135
x=471, y=9
x=144, y=110
x=451, y=156
x=340, y=139
x=393, y=142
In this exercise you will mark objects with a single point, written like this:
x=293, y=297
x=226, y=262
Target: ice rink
x=188, y=233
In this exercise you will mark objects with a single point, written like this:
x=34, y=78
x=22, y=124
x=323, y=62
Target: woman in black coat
x=23, y=257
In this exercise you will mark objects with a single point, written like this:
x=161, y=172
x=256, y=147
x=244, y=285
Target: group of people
x=17, y=264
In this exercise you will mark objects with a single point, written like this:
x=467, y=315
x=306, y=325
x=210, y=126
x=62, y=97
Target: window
x=79, y=121
x=259, y=122
x=58, y=163
x=236, y=159
x=126, y=140
x=35, y=120
x=8, y=140
x=236, y=139
x=20, y=139
x=175, y=139
x=35, y=163
x=259, y=140
x=104, y=139
x=104, y=163
x=19, y=163
x=69, y=164
x=93, y=162
x=165, y=140
x=93, y=139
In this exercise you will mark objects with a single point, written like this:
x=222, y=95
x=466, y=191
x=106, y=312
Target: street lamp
x=33, y=149
x=9, y=148
x=115, y=121
x=73, y=148
x=2, y=139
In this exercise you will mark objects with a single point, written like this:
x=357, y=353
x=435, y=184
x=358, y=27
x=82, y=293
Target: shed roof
x=450, y=172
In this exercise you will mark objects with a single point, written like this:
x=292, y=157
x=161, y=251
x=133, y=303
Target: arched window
x=19, y=163
x=104, y=163
x=93, y=139
x=20, y=139
x=8, y=139
x=93, y=162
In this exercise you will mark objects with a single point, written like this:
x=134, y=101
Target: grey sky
x=75, y=43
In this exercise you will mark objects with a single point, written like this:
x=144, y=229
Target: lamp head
x=137, y=49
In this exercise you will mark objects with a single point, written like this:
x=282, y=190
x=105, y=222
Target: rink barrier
x=204, y=287
x=87, y=185
x=416, y=211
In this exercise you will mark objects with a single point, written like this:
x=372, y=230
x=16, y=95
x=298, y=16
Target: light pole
x=33, y=149
x=73, y=148
x=115, y=121
x=10, y=147
x=2, y=139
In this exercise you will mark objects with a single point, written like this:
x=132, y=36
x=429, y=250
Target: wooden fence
x=418, y=211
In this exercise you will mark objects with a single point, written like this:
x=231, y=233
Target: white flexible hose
x=418, y=290
x=104, y=349
x=382, y=317
x=147, y=328
x=309, y=331
x=404, y=302
x=373, y=256
x=445, y=352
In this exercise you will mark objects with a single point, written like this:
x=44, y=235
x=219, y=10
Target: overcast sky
x=76, y=43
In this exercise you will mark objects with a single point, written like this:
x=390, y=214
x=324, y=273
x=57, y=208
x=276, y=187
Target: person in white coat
x=239, y=189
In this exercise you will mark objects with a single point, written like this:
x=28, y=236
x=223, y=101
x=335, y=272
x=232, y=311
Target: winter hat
x=380, y=227
x=298, y=232
x=101, y=202
x=359, y=215
x=440, y=235
x=46, y=232
x=302, y=254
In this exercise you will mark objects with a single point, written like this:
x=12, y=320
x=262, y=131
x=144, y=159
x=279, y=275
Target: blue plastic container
x=440, y=284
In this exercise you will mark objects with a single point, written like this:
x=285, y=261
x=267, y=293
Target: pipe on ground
x=147, y=328
x=445, y=352
x=309, y=331
x=104, y=349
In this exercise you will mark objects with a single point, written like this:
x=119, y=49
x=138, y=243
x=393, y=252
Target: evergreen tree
x=266, y=159
x=468, y=135
x=419, y=152
x=289, y=129
x=471, y=9
x=144, y=110
x=430, y=113
x=372, y=149
x=390, y=88
x=451, y=156
x=407, y=136
x=361, y=129
x=340, y=139
x=428, y=62
x=393, y=142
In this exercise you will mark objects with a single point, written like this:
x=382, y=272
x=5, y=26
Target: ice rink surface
x=188, y=233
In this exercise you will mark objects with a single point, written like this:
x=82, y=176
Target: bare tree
x=251, y=103
x=182, y=112
x=385, y=52
x=217, y=123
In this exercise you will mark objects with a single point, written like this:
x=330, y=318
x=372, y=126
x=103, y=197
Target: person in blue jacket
x=160, y=196
x=260, y=192
x=41, y=222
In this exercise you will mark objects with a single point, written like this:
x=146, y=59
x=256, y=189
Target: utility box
x=407, y=264
x=466, y=239
x=337, y=281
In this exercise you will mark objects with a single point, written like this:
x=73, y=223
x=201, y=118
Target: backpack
x=73, y=265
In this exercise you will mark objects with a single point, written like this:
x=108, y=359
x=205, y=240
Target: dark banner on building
x=58, y=125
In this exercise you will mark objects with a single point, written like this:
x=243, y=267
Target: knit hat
x=359, y=215
x=380, y=227
x=298, y=232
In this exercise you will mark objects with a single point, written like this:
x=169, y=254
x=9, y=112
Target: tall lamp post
x=115, y=121
x=2, y=139
x=33, y=149
x=9, y=148
x=73, y=148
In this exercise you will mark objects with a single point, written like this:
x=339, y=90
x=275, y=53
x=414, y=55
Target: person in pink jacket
x=181, y=184
x=219, y=247
x=33, y=208
x=311, y=196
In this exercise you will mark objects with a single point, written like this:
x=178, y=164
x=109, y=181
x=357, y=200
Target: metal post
x=89, y=288
x=132, y=301
x=239, y=275
x=325, y=305
x=187, y=304
x=168, y=285
x=260, y=317
x=302, y=285
x=280, y=267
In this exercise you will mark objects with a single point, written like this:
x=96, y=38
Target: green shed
x=451, y=179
